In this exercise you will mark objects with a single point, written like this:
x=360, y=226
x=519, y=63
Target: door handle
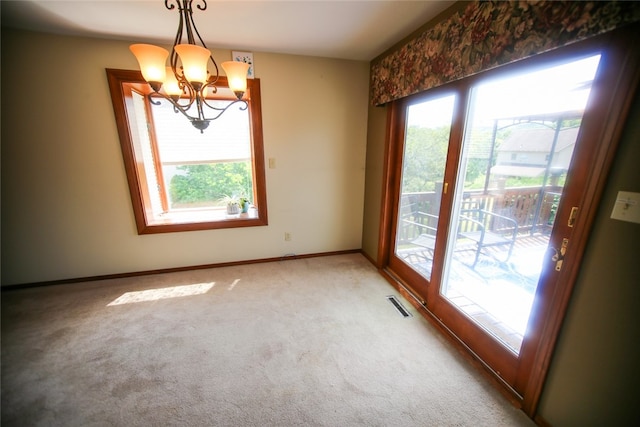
x=572, y=216
x=558, y=257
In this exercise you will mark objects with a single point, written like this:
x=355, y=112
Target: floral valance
x=487, y=34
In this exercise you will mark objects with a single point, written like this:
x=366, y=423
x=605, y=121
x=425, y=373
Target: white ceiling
x=356, y=29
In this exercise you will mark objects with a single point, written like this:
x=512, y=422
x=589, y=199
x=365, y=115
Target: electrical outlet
x=287, y=236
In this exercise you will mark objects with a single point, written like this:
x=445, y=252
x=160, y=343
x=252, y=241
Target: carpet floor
x=305, y=342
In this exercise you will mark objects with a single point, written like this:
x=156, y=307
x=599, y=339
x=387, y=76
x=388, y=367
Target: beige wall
x=595, y=369
x=66, y=211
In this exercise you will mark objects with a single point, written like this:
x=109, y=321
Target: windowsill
x=200, y=219
x=185, y=216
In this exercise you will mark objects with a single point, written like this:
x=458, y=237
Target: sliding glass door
x=487, y=177
x=520, y=134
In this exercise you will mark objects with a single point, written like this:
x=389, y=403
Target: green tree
x=424, y=158
x=208, y=183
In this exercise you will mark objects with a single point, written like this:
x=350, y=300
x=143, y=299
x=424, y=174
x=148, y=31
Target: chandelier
x=186, y=85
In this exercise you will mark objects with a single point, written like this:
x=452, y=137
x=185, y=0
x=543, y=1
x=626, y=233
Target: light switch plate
x=627, y=207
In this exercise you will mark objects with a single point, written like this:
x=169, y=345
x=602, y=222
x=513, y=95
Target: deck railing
x=533, y=208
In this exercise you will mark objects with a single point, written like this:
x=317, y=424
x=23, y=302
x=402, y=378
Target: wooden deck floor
x=492, y=279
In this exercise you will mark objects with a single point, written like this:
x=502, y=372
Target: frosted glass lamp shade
x=171, y=86
x=236, y=75
x=152, y=61
x=194, y=62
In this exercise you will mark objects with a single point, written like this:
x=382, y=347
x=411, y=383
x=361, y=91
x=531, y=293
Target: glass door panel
x=518, y=143
x=424, y=159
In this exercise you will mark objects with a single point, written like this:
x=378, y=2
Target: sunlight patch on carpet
x=162, y=293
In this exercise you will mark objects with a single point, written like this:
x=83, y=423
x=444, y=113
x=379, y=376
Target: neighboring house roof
x=536, y=142
x=509, y=170
x=533, y=140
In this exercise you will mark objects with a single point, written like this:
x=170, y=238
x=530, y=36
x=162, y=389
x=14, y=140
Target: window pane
x=201, y=169
x=228, y=138
x=424, y=161
x=146, y=151
x=207, y=185
x=519, y=140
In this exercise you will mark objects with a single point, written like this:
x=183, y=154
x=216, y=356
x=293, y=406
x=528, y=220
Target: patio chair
x=419, y=228
x=488, y=229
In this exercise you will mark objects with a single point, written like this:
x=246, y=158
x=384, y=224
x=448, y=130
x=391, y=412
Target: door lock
x=559, y=255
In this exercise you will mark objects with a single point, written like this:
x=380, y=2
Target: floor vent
x=399, y=306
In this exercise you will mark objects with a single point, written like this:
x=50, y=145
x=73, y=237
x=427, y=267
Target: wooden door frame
x=618, y=92
x=606, y=132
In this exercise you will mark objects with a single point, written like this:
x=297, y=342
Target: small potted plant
x=233, y=205
x=244, y=204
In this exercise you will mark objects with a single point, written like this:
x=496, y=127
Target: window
x=179, y=178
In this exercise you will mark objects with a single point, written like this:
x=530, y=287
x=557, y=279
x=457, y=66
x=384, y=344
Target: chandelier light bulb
x=171, y=86
x=236, y=75
x=152, y=60
x=194, y=62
